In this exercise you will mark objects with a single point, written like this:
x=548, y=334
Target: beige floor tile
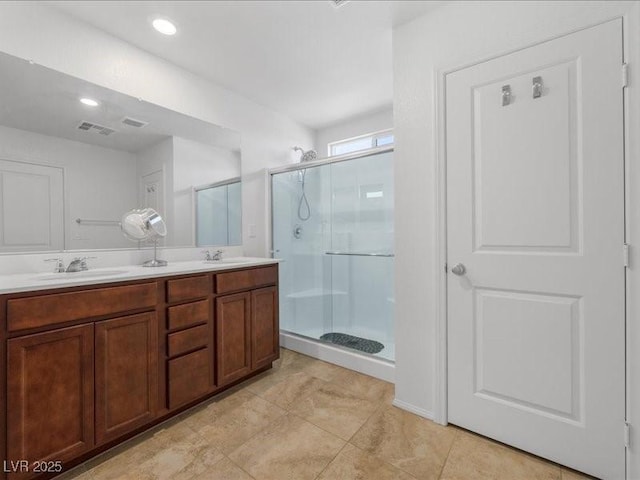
x=355, y=464
x=263, y=382
x=174, y=431
x=335, y=409
x=171, y=451
x=573, y=475
x=473, y=456
x=218, y=468
x=78, y=473
x=289, y=449
x=289, y=364
x=292, y=389
x=290, y=359
x=364, y=385
x=125, y=458
x=411, y=443
x=327, y=405
x=323, y=370
x=239, y=424
x=216, y=408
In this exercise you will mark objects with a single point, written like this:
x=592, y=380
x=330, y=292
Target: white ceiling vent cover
x=94, y=127
x=339, y=3
x=132, y=122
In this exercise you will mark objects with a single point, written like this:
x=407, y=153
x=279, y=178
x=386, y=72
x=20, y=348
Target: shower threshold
x=362, y=362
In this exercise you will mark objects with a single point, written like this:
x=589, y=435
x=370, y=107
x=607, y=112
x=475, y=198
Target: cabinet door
x=265, y=335
x=50, y=395
x=126, y=374
x=233, y=323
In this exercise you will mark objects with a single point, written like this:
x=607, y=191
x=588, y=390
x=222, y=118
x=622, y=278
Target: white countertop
x=27, y=282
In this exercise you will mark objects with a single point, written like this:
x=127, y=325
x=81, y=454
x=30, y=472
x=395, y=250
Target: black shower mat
x=357, y=343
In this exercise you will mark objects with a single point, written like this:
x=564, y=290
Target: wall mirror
x=75, y=156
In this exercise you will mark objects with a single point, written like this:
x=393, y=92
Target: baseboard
x=413, y=409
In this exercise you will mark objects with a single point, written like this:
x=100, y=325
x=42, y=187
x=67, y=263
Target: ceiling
x=317, y=63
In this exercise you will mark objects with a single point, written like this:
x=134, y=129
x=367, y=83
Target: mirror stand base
x=155, y=263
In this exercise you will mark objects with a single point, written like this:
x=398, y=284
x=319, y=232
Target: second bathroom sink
x=74, y=275
x=227, y=261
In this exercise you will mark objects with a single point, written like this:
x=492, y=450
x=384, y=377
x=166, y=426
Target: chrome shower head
x=308, y=156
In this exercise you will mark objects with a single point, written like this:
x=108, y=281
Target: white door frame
x=440, y=413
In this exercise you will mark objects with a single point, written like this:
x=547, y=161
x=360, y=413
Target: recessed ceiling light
x=89, y=101
x=164, y=26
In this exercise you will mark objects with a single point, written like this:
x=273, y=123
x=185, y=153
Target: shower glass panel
x=333, y=227
x=218, y=215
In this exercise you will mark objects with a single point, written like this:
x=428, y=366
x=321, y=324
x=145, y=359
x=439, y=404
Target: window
x=364, y=142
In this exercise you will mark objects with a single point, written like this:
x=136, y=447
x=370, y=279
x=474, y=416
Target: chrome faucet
x=59, y=268
x=216, y=257
x=78, y=264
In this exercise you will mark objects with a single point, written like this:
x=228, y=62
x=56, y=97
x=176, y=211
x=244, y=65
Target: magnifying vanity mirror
x=74, y=156
x=145, y=224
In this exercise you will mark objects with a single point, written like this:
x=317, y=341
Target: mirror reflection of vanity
x=69, y=170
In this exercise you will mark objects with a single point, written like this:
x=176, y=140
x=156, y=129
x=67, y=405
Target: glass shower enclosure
x=332, y=226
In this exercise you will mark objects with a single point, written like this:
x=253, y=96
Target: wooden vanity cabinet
x=50, y=406
x=265, y=330
x=88, y=367
x=126, y=374
x=233, y=336
x=189, y=352
x=247, y=330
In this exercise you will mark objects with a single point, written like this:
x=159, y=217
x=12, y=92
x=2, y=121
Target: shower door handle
x=459, y=269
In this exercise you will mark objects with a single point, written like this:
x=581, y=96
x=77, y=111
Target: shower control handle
x=459, y=269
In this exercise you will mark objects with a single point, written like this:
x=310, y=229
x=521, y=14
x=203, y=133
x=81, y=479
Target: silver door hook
x=537, y=87
x=506, y=95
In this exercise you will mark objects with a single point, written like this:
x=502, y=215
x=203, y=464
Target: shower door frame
x=302, y=166
x=380, y=368
x=326, y=161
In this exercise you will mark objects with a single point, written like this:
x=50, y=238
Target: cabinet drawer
x=188, y=377
x=182, y=316
x=42, y=310
x=246, y=279
x=187, y=340
x=187, y=288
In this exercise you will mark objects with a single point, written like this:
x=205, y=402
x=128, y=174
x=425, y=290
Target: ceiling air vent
x=339, y=3
x=94, y=127
x=132, y=122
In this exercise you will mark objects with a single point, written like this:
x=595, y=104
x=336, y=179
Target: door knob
x=458, y=269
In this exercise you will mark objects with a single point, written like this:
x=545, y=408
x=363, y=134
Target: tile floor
x=307, y=419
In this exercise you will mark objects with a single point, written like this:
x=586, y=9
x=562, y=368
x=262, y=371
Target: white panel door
x=32, y=208
x=152, y=196
x=152, y=191
x=535, y=212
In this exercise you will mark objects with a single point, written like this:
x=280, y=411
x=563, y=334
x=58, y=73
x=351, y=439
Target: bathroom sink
x=75, y=275
x=227, y=261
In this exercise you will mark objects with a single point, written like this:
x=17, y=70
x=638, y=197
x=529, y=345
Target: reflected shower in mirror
x=75, y=155
x=213, y=226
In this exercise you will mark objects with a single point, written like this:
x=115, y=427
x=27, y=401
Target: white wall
x=35, y=31
x=99, y=183
x=452, y=36
x=353, y=127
